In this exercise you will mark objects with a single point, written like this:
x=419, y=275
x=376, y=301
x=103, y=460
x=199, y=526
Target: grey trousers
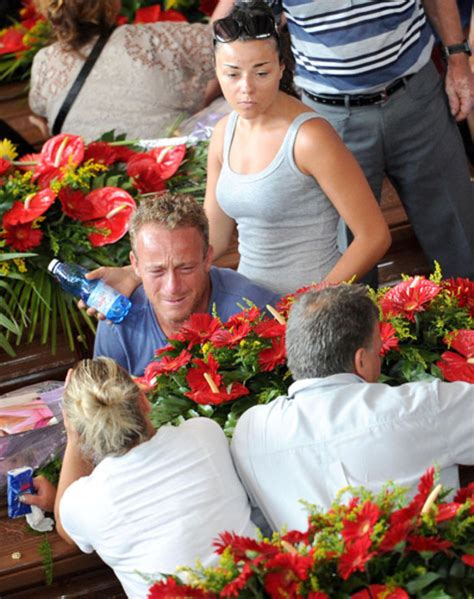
x=412, y=138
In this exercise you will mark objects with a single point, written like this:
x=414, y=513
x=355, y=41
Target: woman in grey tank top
x=280, y=172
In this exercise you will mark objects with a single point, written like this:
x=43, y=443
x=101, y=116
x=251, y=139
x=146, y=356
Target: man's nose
x=171, y=282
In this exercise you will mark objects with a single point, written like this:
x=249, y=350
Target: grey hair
x=101, y=402
x=171, y=211
x=325, y=329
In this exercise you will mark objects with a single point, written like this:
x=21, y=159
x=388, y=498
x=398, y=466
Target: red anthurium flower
x=207, y=6
x=62, y=150
x=148, y=14
x=270, y=328
x=381, y=591
x=76, y=204
x=11, y=41
x=447, y=511
x=170, y=589
x=389, y=338
x=207, y=386
x=355, y=557
x=101, y=152
x=409, y=297
x=25, y=212
x=123, y=153
x=172, y=15
x=112, y=208
x=317, y=595
x=229, y=338
x=4, y=165
x=463, y=289
x=121, y=20
x=459, y=366
x=199, y=328
x=240, y=545
x=270, y=358
x=468, y=559
x=420, y=543
x=169, y=159
x=363, y=525
x=23, y=237
x=145, y=174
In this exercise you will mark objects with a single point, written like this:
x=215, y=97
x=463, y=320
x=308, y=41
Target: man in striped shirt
x=365, y=66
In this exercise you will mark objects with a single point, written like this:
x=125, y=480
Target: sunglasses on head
x=256, y=27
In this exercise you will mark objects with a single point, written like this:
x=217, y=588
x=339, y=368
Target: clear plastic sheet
x=34, y=448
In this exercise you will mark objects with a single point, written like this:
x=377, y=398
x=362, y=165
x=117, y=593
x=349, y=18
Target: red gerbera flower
x=409, y=297
x=317, y=595
x=425, y=486
x=166, y=364
x=241, y=545
x=199, y=328
x=23, y=237
x=76, y=204
x=100, y=152
x=355, y=557
x=112, y=209
x=463, y=289
x=233, y=588
x=207, y=385
x=4, y=165
x=271, y=357
x=364, y=523
x=381, y=591
x=248, y=315
x=170, y=589
x=34, y=206
x=148, y=14
x=465, y=493
x=389, y=337
x=468, y=559
x=229, y=338
x=270, y=328
x=420, y=543
x=459, y=366
x=172, y=15
x=397, y=533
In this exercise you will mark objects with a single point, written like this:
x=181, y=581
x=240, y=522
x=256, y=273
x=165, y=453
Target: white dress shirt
x=340, y=430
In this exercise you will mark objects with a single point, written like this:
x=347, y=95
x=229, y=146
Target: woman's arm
x=221, y=226
x=320, y=152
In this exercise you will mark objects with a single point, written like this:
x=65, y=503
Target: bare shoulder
x=217, y=139
x=317, y=131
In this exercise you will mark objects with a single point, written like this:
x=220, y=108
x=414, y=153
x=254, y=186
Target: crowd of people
x=286, y=172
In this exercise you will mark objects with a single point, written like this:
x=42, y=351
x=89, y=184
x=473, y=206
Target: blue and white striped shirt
x=356, y=46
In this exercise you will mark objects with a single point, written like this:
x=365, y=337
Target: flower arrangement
x=220, y=369
x=73, y=201
x=371, y=547
x=21, y=41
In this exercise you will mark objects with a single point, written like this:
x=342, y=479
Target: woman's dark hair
x=77, y=22
x=242, y=11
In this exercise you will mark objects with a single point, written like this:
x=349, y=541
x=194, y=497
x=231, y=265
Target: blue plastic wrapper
x=19, y=481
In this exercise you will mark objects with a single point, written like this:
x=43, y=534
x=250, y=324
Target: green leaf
x=420, y=583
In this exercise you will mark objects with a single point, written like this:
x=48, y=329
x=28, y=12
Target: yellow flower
x=20, y=264
x=4, y=268
x=7, y=150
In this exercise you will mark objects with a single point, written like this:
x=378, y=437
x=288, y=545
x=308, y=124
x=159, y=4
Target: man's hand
x=459, y=86
x=45, y=494
x=123, y=279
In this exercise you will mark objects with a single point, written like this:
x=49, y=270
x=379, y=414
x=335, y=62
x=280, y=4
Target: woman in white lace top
x=146, y=77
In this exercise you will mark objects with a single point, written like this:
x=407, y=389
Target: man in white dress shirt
x=338, y=426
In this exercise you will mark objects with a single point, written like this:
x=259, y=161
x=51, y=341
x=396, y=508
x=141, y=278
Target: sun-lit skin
x=249, y=73
x=174, y=270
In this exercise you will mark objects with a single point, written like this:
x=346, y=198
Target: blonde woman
x=145, y=77
x=146, y=501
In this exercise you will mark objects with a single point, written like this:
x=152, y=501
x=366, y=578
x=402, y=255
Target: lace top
x=145, y=78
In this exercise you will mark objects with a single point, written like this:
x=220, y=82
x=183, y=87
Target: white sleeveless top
x=287, y=226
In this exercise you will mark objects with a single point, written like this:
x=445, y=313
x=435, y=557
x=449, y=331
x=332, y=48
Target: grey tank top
x=286, y=224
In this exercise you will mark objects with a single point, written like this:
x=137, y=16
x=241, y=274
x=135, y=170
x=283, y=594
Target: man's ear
x=360, y=360
x=209, y=257
x=134, y=262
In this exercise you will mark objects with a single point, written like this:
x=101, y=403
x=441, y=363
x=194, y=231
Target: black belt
x=359, y=100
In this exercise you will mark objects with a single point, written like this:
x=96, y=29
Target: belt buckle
x=383, y=97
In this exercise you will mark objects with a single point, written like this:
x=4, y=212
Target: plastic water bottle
x=96, y=294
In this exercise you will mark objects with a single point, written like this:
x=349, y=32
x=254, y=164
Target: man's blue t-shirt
x=133, y=342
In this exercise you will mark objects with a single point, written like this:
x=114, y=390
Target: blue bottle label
x=102, y=297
